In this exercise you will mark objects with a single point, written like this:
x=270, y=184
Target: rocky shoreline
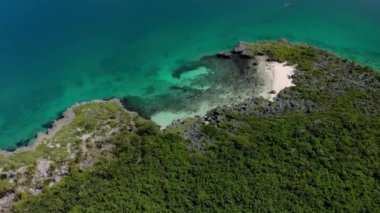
x=67, y=117
x=245, y=60
x=73, y=143
x=240, y=56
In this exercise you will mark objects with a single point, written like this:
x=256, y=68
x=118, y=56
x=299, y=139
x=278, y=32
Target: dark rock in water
x=47, y=125
x=149, y=90
x=21, y=143
x=183, y=89
x=10, y=149
x=60, y=115
x=187, y=67
x=224, y=55
x=272, y=92
x=137, y=104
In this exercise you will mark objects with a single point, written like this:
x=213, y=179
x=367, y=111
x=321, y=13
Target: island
x=287, y=127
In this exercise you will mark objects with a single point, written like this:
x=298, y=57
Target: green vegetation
x=325, y=161
x=302, y=55
x=5, y=187
x=72, y=148
x=87, y=118
x=23, y=158
x=316, y=148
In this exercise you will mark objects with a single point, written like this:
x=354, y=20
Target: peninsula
x=280, y=126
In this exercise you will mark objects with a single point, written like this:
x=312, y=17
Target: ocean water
x=56, y=53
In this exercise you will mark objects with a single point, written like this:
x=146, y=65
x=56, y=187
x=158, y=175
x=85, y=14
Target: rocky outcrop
x=6, y=202
x=70, y=146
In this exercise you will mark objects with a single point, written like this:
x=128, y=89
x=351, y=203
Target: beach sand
x=274, y=76
x=281, y=77
x=165, y=119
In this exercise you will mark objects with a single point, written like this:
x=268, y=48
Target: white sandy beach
x=281, y=77
x=274, y=76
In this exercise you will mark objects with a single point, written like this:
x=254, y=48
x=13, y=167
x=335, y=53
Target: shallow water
x=56, y=53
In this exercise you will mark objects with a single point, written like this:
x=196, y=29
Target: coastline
x=73, y=143
x=67, y=117
x=272, y=75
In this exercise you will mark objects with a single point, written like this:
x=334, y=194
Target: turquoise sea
x=56, y=53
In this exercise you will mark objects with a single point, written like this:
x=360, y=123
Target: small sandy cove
x=275, y=77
